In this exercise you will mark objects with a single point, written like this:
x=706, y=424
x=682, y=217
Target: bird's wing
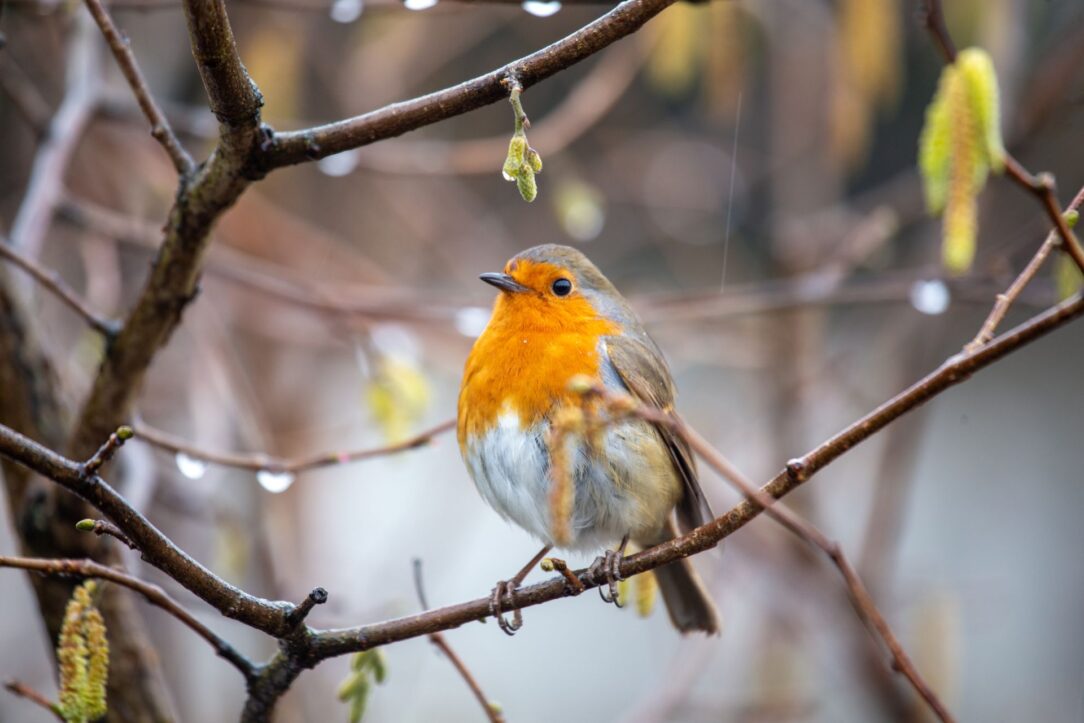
x=644, y=373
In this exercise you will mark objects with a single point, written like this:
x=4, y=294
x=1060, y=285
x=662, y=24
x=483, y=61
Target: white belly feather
x=510, y=467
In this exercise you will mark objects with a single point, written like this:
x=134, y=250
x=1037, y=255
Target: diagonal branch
x=122, y=51
x=153, y=594
x=156, y=548
x=293, y=147
x=52, y=281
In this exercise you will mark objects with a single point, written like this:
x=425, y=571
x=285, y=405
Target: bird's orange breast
x=523, y=361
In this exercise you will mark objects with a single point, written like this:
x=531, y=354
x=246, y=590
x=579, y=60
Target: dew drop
x=471, y=321
x=190, y=467
x=419, y=4
x=340, y=164
x=275, y=482
x=541, y=9
x=930, y=296
x=346, y=11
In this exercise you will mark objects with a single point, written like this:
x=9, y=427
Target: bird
x=557, y=319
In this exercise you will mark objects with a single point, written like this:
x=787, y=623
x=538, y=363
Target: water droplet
x=275, y=482
x=507, y=177
x=471, y=321
x=190, y=467
x=340, y=164
x=930, y=296
x=346, y=11
x=541, y=9
x=419, y=4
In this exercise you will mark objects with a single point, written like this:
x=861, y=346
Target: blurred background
x=745, y=173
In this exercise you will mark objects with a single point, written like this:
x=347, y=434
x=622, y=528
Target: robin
x=557, y=317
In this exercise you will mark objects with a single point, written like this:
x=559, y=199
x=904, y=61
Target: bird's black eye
x=562, y=287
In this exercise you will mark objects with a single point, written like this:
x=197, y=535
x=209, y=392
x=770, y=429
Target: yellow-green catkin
x=83, y=656
x=960, y=144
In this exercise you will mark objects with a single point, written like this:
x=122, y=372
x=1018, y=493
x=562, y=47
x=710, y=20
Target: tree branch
x=122, y=51
x=259, y=462
x=52, y=281
x=156, y=548
x=152, y=593
x=293, y=147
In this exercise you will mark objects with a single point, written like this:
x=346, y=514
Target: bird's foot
x=505, y=590
x=608, y=565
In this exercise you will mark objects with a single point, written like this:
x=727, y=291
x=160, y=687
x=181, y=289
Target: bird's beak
x=504, y=282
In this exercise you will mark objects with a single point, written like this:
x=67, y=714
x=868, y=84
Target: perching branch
x=152, y=593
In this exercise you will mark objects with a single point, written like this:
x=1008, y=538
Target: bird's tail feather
x=687, y=602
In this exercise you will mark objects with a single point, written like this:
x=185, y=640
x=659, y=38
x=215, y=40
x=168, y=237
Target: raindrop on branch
x=275, y=482
x=541, y=9
x=190, y=467
x=340, y=164
x=419, y=4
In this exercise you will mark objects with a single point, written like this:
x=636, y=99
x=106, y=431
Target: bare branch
x=156, y=548
x=234, y=98
x=122, y=51
x=52, y=281
x=312, y=143
x=259, y=462
x=152, y=593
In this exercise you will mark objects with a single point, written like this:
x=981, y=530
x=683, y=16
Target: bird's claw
x=506, y=589
x=608, y=565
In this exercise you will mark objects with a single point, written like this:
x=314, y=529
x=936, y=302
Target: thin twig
x=25, y=691
x=152, y=593
x=317, y=596
x=104, y=527
x=122, y=51
x=52, y=281
x=105, y=453
x=492, y=711
x=260, y=462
